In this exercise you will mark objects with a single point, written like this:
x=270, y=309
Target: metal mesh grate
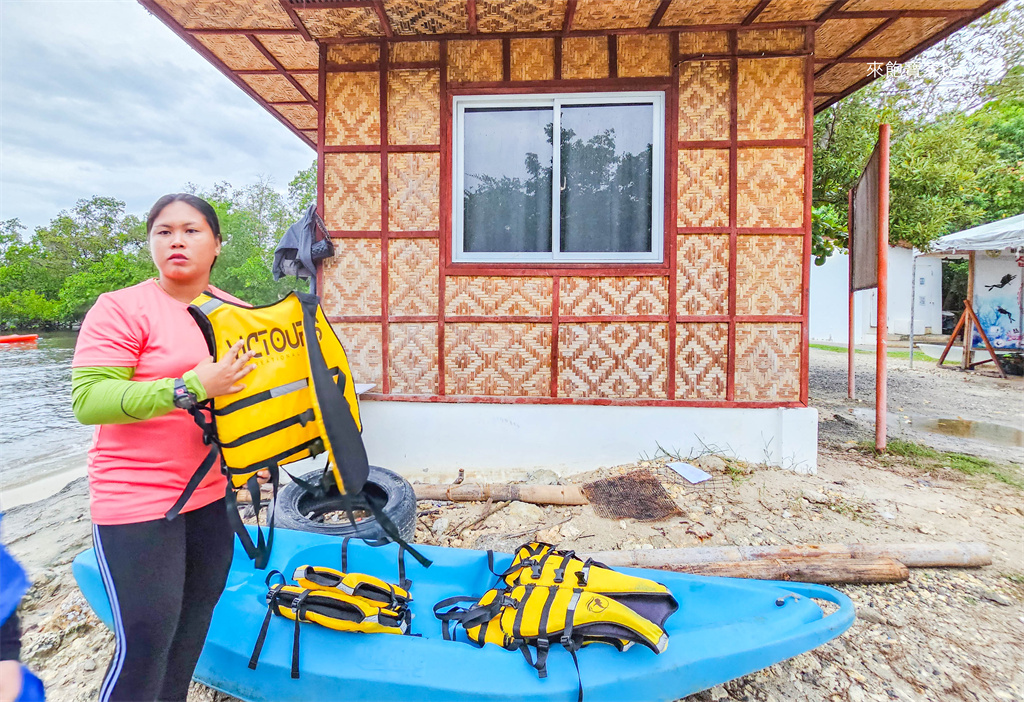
x=637, y=495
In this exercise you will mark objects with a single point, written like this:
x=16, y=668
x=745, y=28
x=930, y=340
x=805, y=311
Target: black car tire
x=299, y=510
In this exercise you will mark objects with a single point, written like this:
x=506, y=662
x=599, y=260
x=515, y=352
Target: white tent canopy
x=1005, y=234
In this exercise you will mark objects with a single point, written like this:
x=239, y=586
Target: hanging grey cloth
x=301, y=247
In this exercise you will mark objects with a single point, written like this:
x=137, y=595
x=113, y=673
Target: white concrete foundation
x=417, y=438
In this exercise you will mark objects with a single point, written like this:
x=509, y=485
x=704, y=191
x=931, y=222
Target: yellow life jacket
x=354, y=584
x=538, y=563
x=329, y=608
x=536, y=615
x=299, y=401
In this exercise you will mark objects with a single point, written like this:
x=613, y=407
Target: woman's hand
x=222, y=377
x=263, y=476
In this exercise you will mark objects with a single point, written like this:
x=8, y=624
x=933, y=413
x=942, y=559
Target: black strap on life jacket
x=272, y=609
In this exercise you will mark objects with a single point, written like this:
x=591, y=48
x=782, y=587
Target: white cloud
x=98, y=97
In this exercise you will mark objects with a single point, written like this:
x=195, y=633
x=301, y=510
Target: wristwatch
x=183, y=397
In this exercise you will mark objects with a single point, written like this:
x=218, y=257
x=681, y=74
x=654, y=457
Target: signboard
x=864, y=227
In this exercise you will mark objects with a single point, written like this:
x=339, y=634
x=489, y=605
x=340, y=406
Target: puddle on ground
x=969, y=429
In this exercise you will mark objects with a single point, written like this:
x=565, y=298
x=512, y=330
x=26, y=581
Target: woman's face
x=182, y=243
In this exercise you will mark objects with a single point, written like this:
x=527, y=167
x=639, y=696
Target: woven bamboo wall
x=734, y=254
x=362, y=343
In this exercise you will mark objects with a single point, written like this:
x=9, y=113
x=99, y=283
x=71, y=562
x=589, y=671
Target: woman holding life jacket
x=139, y=361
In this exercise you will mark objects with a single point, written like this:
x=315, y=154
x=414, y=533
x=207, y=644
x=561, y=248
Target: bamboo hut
x=509, y=318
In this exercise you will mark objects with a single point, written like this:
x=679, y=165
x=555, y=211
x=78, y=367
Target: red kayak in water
x=18, y=338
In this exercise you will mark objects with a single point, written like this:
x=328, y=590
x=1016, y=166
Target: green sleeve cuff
x=194, y=385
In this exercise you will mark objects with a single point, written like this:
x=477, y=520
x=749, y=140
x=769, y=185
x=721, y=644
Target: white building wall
x=830, y=298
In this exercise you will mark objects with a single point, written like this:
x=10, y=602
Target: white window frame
x=555, y=101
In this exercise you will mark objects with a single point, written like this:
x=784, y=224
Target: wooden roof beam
x=385, y=23
x=471, y=15
x=752, y=15
x=570, y=13
x=288, y=7
x=280, y=68
x=878, y=14
x=831, y=10
x=659, y=13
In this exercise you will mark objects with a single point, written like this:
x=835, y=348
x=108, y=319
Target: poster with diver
x=997, y=300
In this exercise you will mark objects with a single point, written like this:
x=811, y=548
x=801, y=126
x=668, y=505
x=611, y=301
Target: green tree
x=302, y=190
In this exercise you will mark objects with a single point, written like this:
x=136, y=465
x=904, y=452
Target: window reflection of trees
x=606, y=201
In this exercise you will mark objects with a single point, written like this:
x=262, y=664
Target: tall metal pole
x=850, y=391
x=965, y=362
x=881, y=344
x=913, y=301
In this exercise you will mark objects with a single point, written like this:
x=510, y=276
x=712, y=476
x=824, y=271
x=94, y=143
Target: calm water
x=39, y=434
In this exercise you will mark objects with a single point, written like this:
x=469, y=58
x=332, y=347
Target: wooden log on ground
x=537, y=494
x=939, y=555
x=825, y=570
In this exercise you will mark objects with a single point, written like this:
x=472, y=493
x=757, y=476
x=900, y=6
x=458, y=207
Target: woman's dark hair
x=197, y=202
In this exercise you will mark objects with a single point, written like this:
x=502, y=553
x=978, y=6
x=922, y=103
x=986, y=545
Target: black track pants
x=163, y=580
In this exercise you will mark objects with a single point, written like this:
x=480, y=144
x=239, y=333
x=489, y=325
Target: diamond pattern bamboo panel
x=791, y=39
x=237, y=52
x=466, y=296
x=590, y=296
x=353, y=53
x=353, y=108
x=704, y=100
x=770, y=98
x=793, y=10
x=532, y=59
x=497, y=359
x=293, y=52
x=227, y=14
x=352, y=192
x=767, y=362
x=520, y=15
x=703, y=188
x=837, y=35
x=584, y=57
x=273, y=88
x=697, y=43
x=902, y=35
x=478, y=60
x=413, y=191
x=311, y=82
x=352, y=278
x=703, y=280
x=415, y=52
x=414, y=107
x=427, y=16
x=301, y=116
x=840, y=76
x=770, y=187
x=621, y=14
x=613, y=360
x=643, y=55
x=769, y=273
x=340, y=22
x=362, y=342
x=702, y=361
x=682, y=12
x=412, y=277
x=412, y=358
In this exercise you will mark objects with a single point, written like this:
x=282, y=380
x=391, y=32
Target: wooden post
x=881, y=343
x=965, y=362
x=913, y=300
x=850, y=385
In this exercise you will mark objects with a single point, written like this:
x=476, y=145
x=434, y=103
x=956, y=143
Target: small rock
x=711, y=463
x=996, y=597
x=542, y=477
x=569, y=531
x=856, y=694
x=718, y=693
x=925, y=529
x=816, y=497
x=525, y=513
x=786, y=514
x=870, y=615
x=440, y=525
x=717, y=510
x=549, y=536
x=89, y=664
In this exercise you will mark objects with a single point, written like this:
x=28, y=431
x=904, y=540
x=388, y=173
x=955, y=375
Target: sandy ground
x=943, y=635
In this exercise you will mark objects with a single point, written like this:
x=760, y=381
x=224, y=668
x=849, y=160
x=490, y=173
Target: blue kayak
x=725, y=628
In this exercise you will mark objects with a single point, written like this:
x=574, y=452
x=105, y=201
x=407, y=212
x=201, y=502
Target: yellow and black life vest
x=537, y=563
x=535, y=604
x=299, y=401
x=330, y=608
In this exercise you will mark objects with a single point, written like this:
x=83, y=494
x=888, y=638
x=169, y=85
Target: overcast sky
x=98, y=97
